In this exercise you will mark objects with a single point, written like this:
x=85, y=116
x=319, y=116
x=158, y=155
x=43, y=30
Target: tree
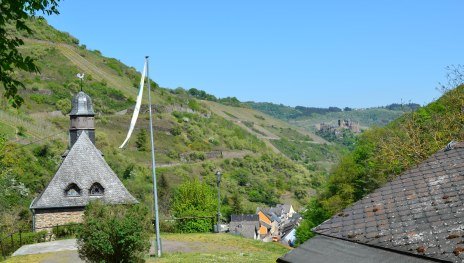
x=141, y=142
x=313, y=216
x=194, y=199
x=236, y=203
x=16, y=12
x=164, y=194
x=114, y=233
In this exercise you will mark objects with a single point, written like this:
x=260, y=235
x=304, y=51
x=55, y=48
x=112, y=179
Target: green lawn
x=204, y=248
x=58, y=257
x=223, y=248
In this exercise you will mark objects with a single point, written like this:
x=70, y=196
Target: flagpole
x=155, y=191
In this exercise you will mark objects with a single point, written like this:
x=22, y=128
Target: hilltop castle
x=338, y=130
x=82, y=177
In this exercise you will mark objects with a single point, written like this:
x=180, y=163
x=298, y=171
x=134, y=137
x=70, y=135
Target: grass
x=223, y=248
x=210, y=248
x=57, y=257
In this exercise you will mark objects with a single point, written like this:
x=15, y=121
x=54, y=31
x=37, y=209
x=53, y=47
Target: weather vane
x=81, y=77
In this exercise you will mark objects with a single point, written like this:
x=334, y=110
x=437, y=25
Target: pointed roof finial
x=81, y=77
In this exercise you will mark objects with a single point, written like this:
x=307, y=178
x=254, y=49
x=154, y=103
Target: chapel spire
x=82, y=118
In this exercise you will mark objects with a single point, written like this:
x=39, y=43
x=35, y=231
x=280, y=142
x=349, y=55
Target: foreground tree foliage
x=117, y=233
x=381, y=154
x=194, y=199
x=16, y=12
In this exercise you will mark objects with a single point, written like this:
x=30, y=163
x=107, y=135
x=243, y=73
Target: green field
x=204, y=248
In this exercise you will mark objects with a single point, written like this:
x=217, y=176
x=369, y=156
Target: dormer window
x=72, y=190
x=96, y=189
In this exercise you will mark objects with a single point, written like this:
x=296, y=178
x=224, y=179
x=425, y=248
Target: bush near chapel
x=114, y=233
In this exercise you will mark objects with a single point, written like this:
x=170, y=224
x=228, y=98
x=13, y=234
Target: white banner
x=137, y=107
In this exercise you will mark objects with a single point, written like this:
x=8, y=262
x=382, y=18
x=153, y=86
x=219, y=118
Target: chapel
x=82, y=177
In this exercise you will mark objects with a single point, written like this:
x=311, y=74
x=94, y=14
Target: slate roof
x=321, y=249
x=276, y=211
x=285, y=229
x=420, y=213
x=285, y=208
x=83, y=165
x=274, y=217
x=244, y=217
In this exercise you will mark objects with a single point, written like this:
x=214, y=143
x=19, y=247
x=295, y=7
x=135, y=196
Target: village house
x=268, y=224
x=267, y=228
x=245, y=225
x=418, y=217
x=82, y=177
x=288, y=229
x=279, y=213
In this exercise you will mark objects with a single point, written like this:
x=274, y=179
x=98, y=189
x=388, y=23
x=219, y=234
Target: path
x=45, y=247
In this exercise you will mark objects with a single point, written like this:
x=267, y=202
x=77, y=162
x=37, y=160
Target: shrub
x=64, y=105
x=39, y=98
x=26, y=238
x=141, y=142
x=177, y=130
x=194, y=199
x=66, y=231
x=116, y=233
x=21, y=131
x=193, y=104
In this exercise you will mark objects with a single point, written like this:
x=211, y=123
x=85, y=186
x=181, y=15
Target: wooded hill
x=308, y=117
x=258, y=155
x=381, y=154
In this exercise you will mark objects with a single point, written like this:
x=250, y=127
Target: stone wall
x=46, y=219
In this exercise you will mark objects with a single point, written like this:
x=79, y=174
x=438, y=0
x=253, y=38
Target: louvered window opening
x=73, y=190
x=96, y=189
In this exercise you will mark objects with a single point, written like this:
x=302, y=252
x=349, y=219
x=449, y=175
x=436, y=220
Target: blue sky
x=324, y=53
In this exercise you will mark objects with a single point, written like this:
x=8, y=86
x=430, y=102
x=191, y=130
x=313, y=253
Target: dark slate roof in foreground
x=321, y=249
x=84, y=166
x=421, y=212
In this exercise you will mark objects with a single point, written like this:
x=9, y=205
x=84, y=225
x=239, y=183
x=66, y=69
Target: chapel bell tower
x=82, y=118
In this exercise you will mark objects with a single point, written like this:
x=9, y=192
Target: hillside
x=298, y=144
x=309, y=117
x=383, y=153
x=193, y=138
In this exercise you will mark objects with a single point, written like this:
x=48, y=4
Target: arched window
x=96, y=189
x=72, y=190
